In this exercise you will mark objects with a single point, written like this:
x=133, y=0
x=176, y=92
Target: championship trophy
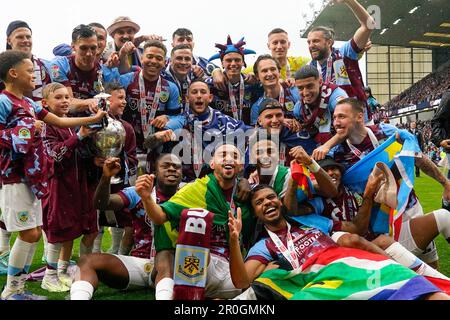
x=110, y=139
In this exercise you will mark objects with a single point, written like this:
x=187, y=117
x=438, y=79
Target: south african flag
x=343, y=274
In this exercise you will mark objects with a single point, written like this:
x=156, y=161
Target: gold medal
x=148, y=267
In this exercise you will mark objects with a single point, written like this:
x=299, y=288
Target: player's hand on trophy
x=111, y=167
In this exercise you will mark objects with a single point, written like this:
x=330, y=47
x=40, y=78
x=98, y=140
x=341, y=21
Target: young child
x=23, y=166
x=66, y=211
x=121, y=228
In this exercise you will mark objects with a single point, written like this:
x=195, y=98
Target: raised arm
x=291, y=203
x=144, y=187
x=242, y=274
x=324, y=186
x=103, y=199
x=367, y=23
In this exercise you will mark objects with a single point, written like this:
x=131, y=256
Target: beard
x=322, y=54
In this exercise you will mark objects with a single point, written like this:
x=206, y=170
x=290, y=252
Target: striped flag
x=385, y=219
x=301, y=174
x=344, y=274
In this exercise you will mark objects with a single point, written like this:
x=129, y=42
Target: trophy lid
x=102, y=95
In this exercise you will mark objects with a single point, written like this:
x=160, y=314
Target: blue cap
x=62, y=50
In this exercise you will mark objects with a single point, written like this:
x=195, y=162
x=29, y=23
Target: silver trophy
x=110, y=140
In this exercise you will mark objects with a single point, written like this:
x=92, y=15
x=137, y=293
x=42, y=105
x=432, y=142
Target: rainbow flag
x=383, y=218
x=343, y=274
x=301, y=174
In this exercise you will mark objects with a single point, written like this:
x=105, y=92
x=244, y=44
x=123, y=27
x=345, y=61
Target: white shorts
x=21, y=210
x=405, y=238
x=139, y=271
x=218, y=279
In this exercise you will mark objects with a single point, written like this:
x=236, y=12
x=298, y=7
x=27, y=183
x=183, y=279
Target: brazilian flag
x=204, y=193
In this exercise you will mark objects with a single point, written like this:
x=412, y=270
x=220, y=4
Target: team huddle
x=232, y=182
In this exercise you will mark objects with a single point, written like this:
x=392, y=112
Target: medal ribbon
x=146, y=127
x=372, y=138
x=289, y=252
x=237, y=110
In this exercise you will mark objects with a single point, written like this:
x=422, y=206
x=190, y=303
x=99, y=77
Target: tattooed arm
x=431, y=170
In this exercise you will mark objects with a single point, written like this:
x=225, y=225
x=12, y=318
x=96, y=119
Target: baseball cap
x=14, y=25
x=268, y=103
x=330, y=162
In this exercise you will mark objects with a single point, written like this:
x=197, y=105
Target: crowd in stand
x=429, y=88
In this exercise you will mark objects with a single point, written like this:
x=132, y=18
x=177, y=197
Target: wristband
x=79, y=136
x=314, y=166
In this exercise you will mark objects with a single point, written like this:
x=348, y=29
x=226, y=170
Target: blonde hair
x=50, y=88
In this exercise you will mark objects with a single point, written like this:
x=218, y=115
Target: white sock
x=53, y=251
x=400, y=254
x=84, y=249
x=442, y=218
x=44, y=239
x=116, y=235
x=30, y=257
x=164, y=289
x=5, y=238
x=17, y=260
x=98, y=242
x=81, y=290
x=62, y=266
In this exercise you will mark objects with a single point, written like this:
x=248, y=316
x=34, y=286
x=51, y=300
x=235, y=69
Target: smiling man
x=122, y=271
x=215, y=193
x=237, y=98
x=267, y=70
x=153, y=102
x=19, y=37
x=317, y=101
x=81, y=71
x=180, y=71
x=340, y=66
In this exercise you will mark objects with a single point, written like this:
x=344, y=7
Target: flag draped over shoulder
x=204, y=193
x=392, y=153
x=343, y=274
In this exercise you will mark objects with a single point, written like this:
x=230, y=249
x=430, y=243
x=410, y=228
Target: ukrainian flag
x=396, y=156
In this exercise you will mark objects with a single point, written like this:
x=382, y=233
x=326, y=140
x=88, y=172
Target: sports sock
x=442, y=218
x=116, y=238
x=17, y=260
x=30, y=257
x=62, y=266
x=81, y=290
x=5, y=238
x=53, y=251
x=164, y=289
x=98, y=242
x=44, y=239
x=400, y=254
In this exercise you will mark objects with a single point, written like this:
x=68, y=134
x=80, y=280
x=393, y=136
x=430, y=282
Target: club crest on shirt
x=289, y=106
x=97, y=86
x=24, y=133
x=23, y=216
x=164, y=97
